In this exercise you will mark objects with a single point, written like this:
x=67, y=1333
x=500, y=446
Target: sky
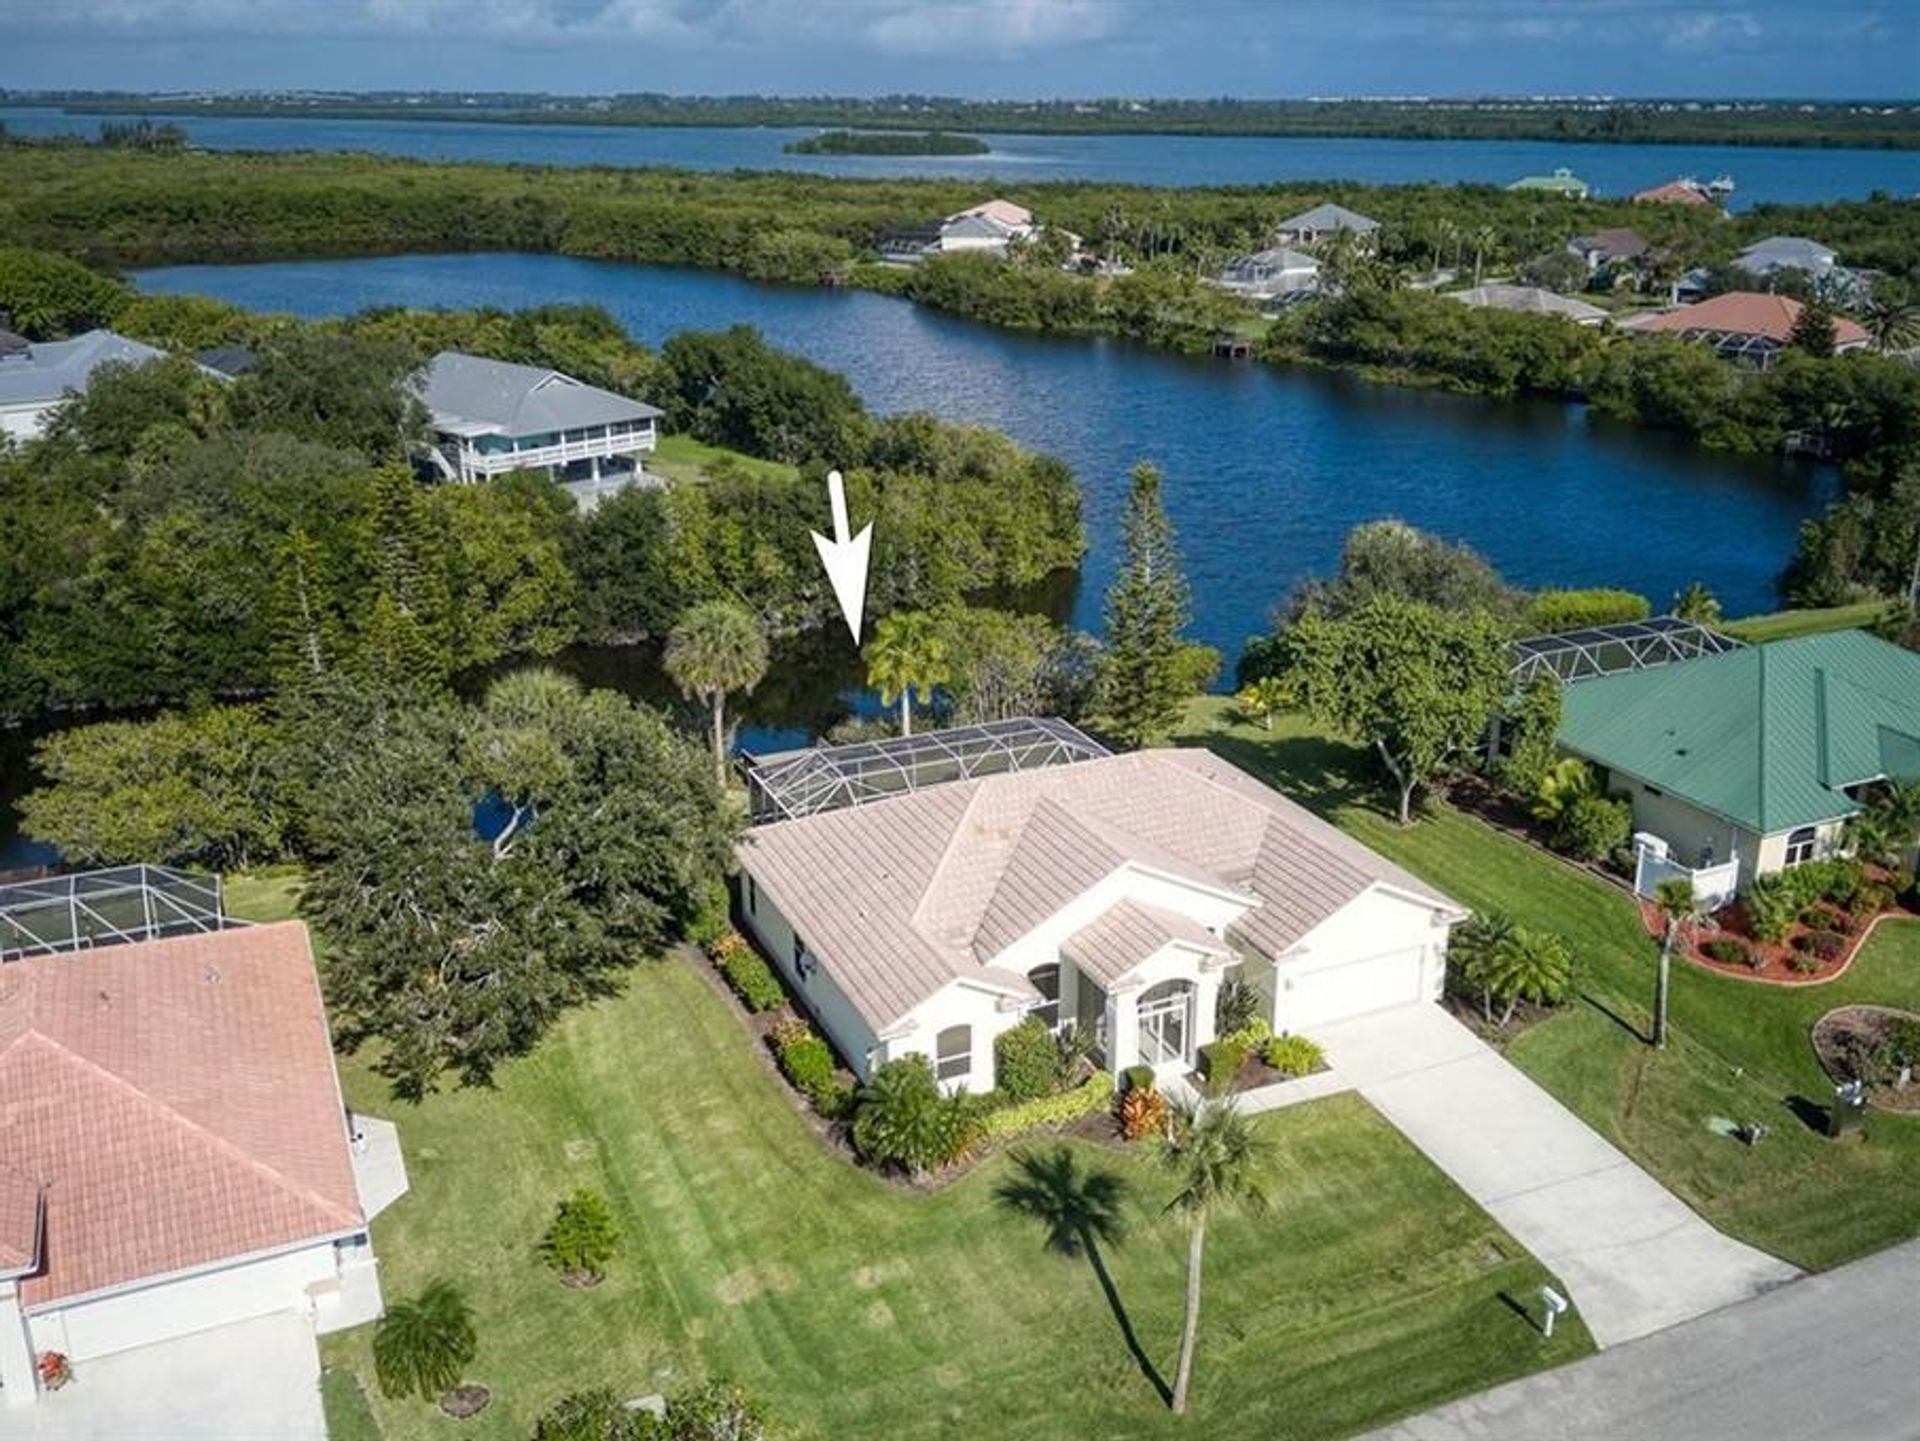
x=977, y=48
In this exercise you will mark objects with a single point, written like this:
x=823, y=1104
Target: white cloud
x=945, y=27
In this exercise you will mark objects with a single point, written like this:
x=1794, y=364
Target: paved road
x=1831, y=1355
x=1635, y=1258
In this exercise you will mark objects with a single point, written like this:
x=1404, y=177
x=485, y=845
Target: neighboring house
x=1016, y=218
x=1743, y=326
x=1624, y=246
x=1270, y=274
x=1674, y=192
x=1788, y=252
x=232, y=361
x=1310, y=227
x=1563, y=182
x=1115, y=891
x=1531, y=299
x=975, y=233
x=36, y=376
x=174, y=1152
x=987, y=228
x=1755, y=757
x=909, y=244
x=491, y=417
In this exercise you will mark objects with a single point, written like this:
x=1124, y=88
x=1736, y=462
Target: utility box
x=1849, y=1110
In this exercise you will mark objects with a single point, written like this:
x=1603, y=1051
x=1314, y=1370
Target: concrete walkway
x=1635, y=1258
x=1831, y=1355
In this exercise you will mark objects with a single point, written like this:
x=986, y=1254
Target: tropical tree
x=1485, y=242
x=1526, y=965
x=1813, y=330
x=1143, y=680
x=909, y=652
x=583, y=1236
x=1562, y=786
x=1892, y=321
x=1262, y=698
x=714, y=649
x=900, y=1117
x=422, y=1345
x=1884, y=833
x=1470, y=952
x=1215, y=1159
x=1678, y=903
x=1697, y=603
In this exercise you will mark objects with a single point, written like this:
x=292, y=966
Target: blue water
x=1762, y=174
x=1266, y=469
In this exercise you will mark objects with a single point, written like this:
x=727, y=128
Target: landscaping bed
x=1873, y=1044
x=1817, y=945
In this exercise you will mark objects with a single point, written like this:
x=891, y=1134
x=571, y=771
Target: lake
x=1762, y=173
x=1266, y=469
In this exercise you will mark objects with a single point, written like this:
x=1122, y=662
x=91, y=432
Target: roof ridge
x=211, y=1138
x=1761, y=758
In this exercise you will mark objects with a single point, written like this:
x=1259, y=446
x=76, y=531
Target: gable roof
x=19, y=1222
x=982, y=225
x=1786, y=252
x=1329, y=216
x=1766, y=736
x=1115, y=943
x=47, y=369
x=1003, y=211
x=1679, y=192
x=175, y=1104
x=472, y=395
x=900, y=897
x=1528, y=298
x=1620, y=243
x=1745, y=312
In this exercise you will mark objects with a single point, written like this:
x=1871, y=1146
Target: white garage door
x=1332, y=993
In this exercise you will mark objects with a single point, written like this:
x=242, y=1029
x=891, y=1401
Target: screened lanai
x=106, y=907
x=1577, y=655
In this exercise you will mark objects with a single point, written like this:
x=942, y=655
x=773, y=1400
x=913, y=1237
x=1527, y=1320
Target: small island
x=887, y=142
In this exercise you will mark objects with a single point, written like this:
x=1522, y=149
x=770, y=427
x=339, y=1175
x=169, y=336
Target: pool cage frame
x=1602, y=650
x=120, y=904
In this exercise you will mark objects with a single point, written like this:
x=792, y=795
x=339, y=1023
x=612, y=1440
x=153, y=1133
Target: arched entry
x=1166, y=1023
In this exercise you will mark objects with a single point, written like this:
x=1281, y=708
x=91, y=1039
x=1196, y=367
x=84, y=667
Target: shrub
x=1252, y=1036
x=1143, y=1112
x=590, y=1416
x=582, y=1237
x=1816, y=917
x=900, y=1118
x=1728, y=950
x=1770, y=908
x=1553, y=610
x=1803, y=963
x=1872, y=898
x=1826, y=945
x=1296, y=1055
x=1238, y=1006
x=1220, y=1062
x=422, y=1345
x=1842, y=882
x=750, y=976
x=1058, y=1109
x=1138, y=1078
x=710, y=921
x=1026, y=1062
x=807, y=1061
x=1593, y=827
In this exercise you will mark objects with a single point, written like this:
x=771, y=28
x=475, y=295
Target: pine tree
x=1148, y=605
x=305, y=625
x=407, y=568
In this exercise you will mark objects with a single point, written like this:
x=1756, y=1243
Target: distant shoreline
x=888, y=142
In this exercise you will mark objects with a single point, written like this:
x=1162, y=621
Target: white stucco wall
x=1689, y=832
x=1828, y=839
x=831, y=1010
x=24, y=422
x=1207, y=908
x=1377, y=924
x=163, y=1308
x=987, y=1013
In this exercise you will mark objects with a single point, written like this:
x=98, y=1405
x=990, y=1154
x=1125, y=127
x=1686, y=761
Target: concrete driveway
x=252, y=1381
x=1635, y=1258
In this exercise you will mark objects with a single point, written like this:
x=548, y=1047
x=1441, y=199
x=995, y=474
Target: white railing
x=1713, y=886
x=601, y=447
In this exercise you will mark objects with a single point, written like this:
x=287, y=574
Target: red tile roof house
x=1118, y=892
x=174, y=1151
x=1743, y=325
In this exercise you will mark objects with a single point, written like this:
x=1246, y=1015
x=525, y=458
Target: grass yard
x=681, y=458
x=1373, y=1287
x=1782, y=625
x=1739, y=1051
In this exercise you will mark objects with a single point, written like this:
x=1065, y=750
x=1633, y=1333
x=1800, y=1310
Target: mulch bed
x=463, y=1401
x=1835, y=1033
x=1501, y=809
x=1469, y=1013
x=1774, y=961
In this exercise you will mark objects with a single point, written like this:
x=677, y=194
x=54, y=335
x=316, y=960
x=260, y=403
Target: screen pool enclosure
x=1600, y=650
x=107, y=907
x=830, y=778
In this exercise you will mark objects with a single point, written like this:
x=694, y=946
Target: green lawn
x=1786, y=623
x=1740, y=1050
x=681, y=458
x=1373, y=1287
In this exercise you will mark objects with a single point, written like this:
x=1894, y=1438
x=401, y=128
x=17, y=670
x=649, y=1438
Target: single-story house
x=36, y=376
x=492, y=417
x=1563, y=182
x=1323, y=221
x=1621, y=246
x=1674, y=192
x=1269, y=274
x=1116, y=892
x=1787, y=252
x=987, y=228
x=1757, y=755
x=1529, y=298
x=174, y=1151
x=1743, y=325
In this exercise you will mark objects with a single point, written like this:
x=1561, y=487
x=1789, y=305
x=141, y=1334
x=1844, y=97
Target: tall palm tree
x=908, y=653
x=1486, y=241
x=1677, y=903
x=422, y=1345
x=1894, y=323
x=715, y=648
x=1215, y=1158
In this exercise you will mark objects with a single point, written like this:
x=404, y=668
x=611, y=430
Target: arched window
x=953, y=1053
x=1046, y=980
x=1800, y=845
x=1166, y=1023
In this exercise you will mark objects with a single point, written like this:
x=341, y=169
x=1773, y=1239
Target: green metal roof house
x=1755, y=755
x=1562, y=182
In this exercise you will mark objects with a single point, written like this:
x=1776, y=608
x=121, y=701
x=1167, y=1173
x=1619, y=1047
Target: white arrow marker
x=845, y=558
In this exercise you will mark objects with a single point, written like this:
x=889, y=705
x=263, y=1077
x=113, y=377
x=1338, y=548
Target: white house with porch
x=492, y=417
x=932, y=912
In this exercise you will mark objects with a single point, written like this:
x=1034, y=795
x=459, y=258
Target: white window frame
x=1151, y=1008
x=1048, y=1010
x=1803, y=845
x=956, y=1066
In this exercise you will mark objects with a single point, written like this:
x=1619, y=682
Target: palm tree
x=1697, y=603
x=1527, y=965
x=908, y=653
x=422, y=1345
x=1887, y=829
x=1485, y=241
x=1080, y=1211
x=715, y=648
x=1894, y=323
x=1676, y=901
x=1215, y=1157
x=1262, y=698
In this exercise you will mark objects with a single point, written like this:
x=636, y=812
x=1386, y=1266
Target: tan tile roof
x=1116, y=941
x=176, y=1101
x=1746, y=312
x=902, y=896
x=1674, y=191
x=19, y=1220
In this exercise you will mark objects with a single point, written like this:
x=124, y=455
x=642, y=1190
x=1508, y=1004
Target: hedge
x=1556, y=610
x=1092, y=1094
x=1026, y=1062
x=751, y=978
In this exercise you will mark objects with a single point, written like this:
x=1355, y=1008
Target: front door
x=1166, y=1026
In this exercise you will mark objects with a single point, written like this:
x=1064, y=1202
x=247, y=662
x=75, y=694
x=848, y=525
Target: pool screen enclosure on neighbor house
x=1577, y=655
x=104, y=908
x=829, y=778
